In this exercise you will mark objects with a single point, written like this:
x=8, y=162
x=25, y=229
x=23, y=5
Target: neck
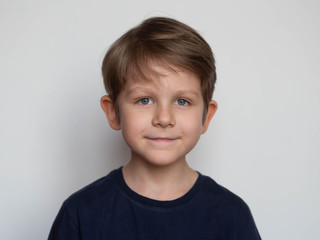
x=159, y=182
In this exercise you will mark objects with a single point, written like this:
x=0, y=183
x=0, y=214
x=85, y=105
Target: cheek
x=132, y=125
x=133, y=119
x=192, y=127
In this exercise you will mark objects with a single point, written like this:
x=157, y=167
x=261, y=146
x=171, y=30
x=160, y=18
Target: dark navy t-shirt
x=108, y=209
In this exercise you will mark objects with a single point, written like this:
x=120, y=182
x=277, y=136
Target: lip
x=161, y=139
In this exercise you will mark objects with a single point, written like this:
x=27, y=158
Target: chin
x=162, y=161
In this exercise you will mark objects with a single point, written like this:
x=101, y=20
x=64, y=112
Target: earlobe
x=212, y=108
x=110, y=110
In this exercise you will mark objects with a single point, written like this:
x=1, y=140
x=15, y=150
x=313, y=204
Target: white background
x=263, y=144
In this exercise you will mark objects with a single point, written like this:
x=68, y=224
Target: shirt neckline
x=153, y=202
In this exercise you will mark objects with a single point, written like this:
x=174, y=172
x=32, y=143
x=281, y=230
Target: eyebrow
x=139, y=89
x=149, y=89
x=188, y=92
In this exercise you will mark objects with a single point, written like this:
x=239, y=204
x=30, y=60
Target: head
x=158, y=40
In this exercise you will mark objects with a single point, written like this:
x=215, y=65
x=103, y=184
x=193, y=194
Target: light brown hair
x=159, y=39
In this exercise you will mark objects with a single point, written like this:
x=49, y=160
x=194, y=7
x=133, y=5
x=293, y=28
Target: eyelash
x=142, y=101
x=185, y=102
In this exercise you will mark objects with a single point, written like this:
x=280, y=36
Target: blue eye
x=182, y=102
x=145, y=101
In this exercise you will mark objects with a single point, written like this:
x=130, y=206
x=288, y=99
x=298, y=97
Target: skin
x=161, y=121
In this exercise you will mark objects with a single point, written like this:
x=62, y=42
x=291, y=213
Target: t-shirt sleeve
x=246, y=229
x=65, y=225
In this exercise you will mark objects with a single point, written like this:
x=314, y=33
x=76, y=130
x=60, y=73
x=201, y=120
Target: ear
x=212, y=108
x=110, y=110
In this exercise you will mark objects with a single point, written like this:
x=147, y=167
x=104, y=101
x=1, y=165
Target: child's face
x=161, y=121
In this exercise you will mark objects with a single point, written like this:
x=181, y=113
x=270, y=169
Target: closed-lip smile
x=161, y=139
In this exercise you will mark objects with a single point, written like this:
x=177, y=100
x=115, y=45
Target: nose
x=163, y=117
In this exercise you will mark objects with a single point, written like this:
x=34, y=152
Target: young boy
x=160, y=79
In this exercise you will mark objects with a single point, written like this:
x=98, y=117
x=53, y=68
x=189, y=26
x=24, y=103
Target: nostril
x=163, y=118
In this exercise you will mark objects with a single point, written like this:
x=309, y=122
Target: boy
x=160, y=79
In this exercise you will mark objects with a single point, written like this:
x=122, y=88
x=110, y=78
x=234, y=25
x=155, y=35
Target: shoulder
x=233, y=213
x=221, y=198
x=214, y=190
x=86, y=206
x=93, y=193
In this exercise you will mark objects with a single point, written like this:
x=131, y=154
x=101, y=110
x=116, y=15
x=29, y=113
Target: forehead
x=160, y=77
x=157, y=73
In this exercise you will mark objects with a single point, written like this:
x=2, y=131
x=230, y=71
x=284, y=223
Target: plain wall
x=263, y=144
